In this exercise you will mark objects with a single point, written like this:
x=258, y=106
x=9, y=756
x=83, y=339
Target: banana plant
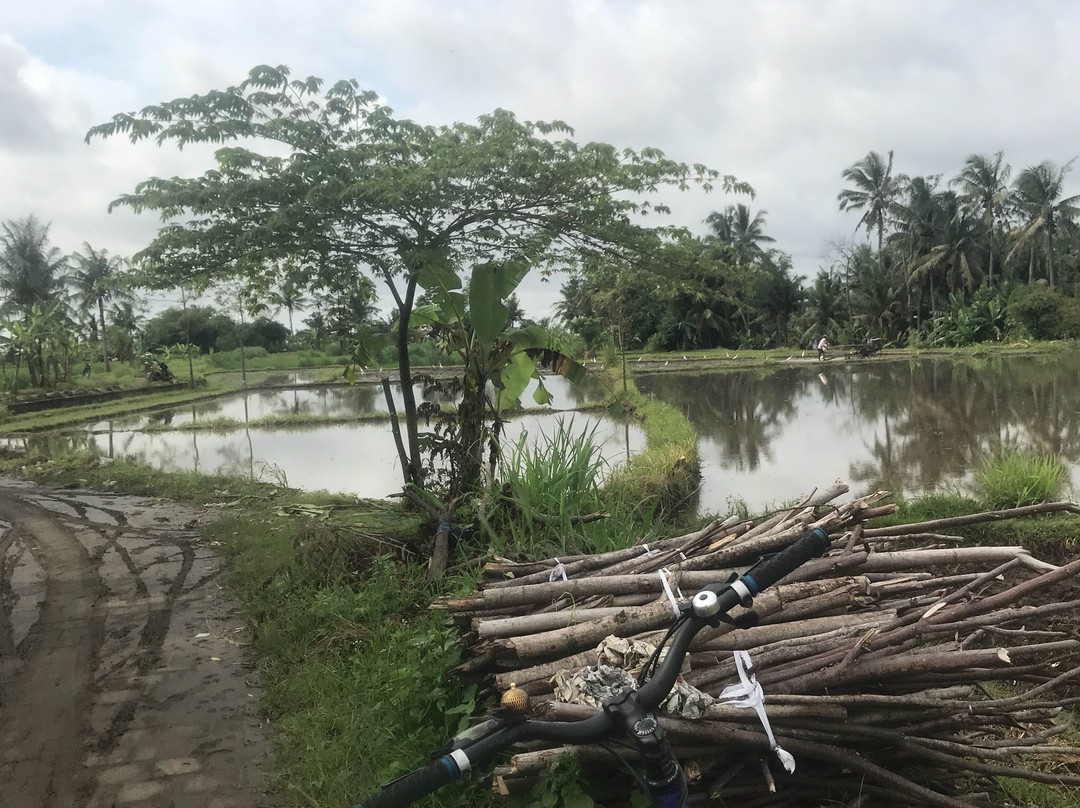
x=472, y=323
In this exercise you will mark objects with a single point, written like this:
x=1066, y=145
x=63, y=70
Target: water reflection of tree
x=743, y=413
x=940, y=417
x=923, y=423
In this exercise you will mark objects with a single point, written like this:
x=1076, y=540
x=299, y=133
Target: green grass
x=1011, y=478
x=558, y=477
x=665, y=476
x=1054, y=537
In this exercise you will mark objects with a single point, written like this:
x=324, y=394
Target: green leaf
x=426, y=314
x=540, y=394
x=489, y=313
x=514, y=377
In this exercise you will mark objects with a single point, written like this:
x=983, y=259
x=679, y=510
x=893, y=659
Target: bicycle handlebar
x=768, y=572
x=417, y=784
x=414, y=785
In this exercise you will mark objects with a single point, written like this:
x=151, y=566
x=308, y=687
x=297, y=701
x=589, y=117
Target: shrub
x=1043, y=313
x=1012, y=478
x=230, y=360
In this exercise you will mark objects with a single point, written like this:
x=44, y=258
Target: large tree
x=337, y=182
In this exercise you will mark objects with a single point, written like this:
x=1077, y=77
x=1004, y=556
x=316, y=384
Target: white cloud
x=782, y=93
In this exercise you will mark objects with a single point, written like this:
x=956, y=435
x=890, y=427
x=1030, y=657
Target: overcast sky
x=782, y=94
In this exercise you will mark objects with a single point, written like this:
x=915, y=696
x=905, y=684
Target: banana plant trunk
x=471, y=425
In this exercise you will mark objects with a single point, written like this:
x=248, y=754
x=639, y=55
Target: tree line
x=59, y=312
x=946, y=262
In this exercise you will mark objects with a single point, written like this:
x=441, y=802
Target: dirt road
x=122, y=678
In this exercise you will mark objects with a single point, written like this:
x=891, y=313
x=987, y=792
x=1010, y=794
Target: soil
x=124, y=680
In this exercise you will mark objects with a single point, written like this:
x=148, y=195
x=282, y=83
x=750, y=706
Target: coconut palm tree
x=984, y=183
x=289, y=295
x=875, y=191
x=31, y=270
x=33, y=278
x=97, y=279
x=743, y=231
x=1037, y=193
x=954, y=251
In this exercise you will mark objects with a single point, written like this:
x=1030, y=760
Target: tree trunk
x=1050, y=256
x=101, y=319
x=408, y=398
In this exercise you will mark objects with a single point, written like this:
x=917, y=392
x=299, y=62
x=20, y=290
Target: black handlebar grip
x=414, y=785
x=768, y=572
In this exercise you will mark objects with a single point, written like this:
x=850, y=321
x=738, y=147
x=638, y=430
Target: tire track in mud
x=44, y=709
x=150, y=701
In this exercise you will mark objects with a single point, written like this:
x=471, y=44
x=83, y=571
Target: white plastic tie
x=558, y=573
x=648, y=552
x=670, y=594
x=748, y=693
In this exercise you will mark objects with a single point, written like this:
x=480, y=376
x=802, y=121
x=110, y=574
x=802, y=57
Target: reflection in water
x=353, y=458
x=909, y=426
x=336, y=400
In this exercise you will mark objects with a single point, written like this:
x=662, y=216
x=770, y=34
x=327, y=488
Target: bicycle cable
x=649, y=668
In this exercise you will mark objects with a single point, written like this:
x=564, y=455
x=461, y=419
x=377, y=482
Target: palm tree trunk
x=101, y=319
x=1050, y=256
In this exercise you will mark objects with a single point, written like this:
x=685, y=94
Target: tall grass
x=550, y=481
x=1013, y=478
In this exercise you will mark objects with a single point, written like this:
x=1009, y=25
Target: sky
x=783, y=94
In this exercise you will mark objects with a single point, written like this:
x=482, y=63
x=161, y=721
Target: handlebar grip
x=768, y=572
x=414, y=785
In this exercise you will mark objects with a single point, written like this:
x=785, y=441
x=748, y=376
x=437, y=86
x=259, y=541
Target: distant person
x=822, y=347
x=86, y=370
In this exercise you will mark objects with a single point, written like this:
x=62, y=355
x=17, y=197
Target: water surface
x=767, y=437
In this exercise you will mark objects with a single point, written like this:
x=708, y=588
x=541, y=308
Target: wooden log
x=935, y=525
x=750, y=638
x=544, y=621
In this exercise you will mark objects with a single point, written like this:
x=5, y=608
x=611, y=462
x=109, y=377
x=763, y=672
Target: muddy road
x=123, y=680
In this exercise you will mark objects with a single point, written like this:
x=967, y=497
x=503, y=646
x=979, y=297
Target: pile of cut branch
x=903, y=668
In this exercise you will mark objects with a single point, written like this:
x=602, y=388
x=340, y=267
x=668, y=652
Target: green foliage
x=547, y=483
x=230, y=360
x=560, y=785
x=1040, y=312
x=1011, y=478
x=963, y=323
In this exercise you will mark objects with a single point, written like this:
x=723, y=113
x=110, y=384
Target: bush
x=1012, y=479
x=230, y=360
x=1040, y=312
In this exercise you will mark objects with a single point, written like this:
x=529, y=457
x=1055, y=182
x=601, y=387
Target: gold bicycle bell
x=515, y=700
